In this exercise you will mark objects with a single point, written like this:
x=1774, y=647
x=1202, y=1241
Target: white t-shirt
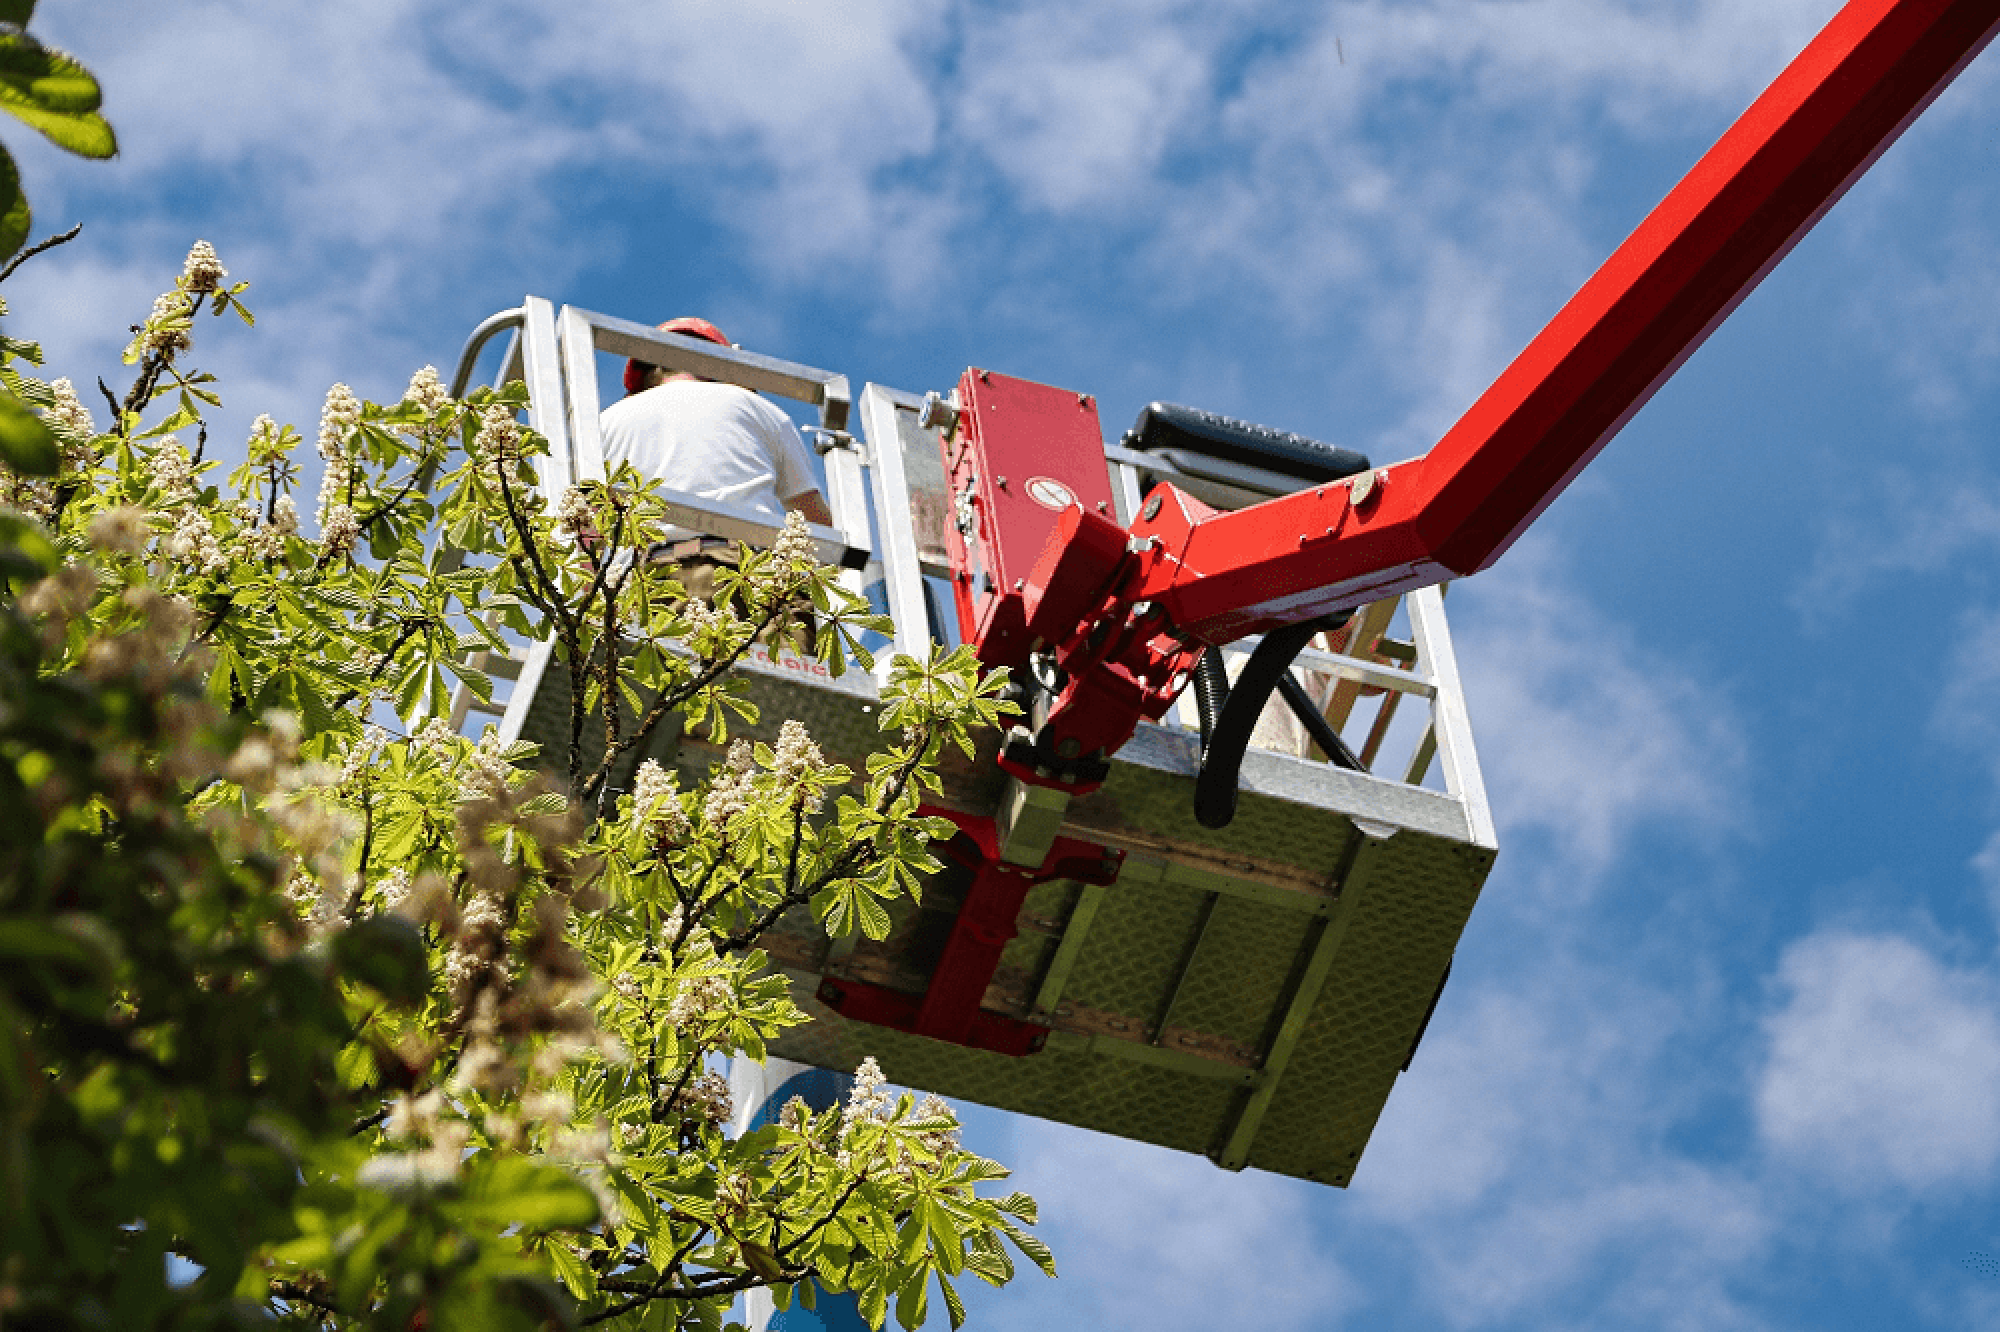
x=717, y=441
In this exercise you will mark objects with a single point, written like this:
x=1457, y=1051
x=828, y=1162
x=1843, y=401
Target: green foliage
x=379, y=1026
x=51, y=93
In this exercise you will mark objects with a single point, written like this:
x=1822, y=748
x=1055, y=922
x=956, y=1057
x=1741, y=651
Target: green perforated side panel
x=1407, y=919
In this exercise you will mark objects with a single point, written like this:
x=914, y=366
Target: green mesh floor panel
x=1334, y=898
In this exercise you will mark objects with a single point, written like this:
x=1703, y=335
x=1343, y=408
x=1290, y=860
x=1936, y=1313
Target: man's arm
x=812, y=505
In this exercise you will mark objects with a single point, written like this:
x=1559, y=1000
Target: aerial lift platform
x=1250, y=992
x=1136, y=932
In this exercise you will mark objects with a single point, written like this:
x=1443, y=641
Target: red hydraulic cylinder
x=1814, y=131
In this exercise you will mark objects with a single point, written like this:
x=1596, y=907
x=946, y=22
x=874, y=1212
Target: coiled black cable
x=1229, y=712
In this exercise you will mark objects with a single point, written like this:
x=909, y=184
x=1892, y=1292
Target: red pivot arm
x=1123, y=610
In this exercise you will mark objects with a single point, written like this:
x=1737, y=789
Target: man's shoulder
x=696, y=398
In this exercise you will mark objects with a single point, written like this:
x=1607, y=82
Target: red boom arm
x=1126, y=616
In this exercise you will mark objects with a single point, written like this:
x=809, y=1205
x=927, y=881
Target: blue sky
x=1722, y=1049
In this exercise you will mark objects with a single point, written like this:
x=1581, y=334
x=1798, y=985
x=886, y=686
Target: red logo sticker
x=1050, y=493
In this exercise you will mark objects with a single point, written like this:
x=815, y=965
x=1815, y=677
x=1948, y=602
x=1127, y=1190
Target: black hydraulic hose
x=1222, y=755
x=1316, y=724
x=1211, y=691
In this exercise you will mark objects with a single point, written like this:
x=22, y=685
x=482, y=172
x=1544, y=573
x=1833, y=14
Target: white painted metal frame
x=583, y=334
x=555, y=353
x=902, y=566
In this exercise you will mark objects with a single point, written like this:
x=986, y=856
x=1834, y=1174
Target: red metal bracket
x=949, y=1009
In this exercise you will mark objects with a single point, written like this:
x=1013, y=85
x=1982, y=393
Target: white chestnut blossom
x=165, y=332
x=394, y=889
x=573, y=514
x=203, y=271
x=340, y=412
x=120, y=531
x=499, y=439
x=435, y=737
x=73, y=425
x=794, y=544
x=194, y=543
x=656, y=804
x=263, y=431
x=868, y=1098
x=695, y=998
x=265, y=542
x=485, y=770
x=427, y=390
x=171, y=469
x=729, y=793
x=708, y=1098
x=339, y=531
x=796, y=759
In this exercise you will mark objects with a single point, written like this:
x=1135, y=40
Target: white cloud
x=1968, y=710
x=1939, y=325
x=1525, y=1159
x=1172, y=1236
x=393, y=154
x=1987, y=866
x=1077, y=105
x=1905, y=523
x=1883, y=1066
x=1588, y=738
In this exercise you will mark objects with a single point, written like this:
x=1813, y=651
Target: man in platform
x=713, y=440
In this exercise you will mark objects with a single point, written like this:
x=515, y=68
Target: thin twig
x=37, y=248
x=821, y=1224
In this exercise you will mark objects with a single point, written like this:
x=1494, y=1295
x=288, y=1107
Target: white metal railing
x=891, y=479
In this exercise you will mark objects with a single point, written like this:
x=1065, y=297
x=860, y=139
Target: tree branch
x=39, y=247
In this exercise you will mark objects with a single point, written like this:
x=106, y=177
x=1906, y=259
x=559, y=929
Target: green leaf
x=54, y=94
x=1020, y=1206
x=913, y=1299
x=571, y=1270
x=953, y=1305
x=388, y=954
x=1035, y=1251
x=27, y=445
x=509, y=1191
x=47, y=78
x=15, y=219
x=875, y=921
x=31, y=941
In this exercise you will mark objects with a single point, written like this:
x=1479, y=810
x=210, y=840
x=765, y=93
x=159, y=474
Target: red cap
x=635, y=371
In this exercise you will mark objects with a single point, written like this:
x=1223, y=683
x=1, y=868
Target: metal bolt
x=1000, y=481
x=1020, y=583
x=1083, y=400
x=1101, y=507
x=940, y=413
x=985, y=378
x=1152, y=509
